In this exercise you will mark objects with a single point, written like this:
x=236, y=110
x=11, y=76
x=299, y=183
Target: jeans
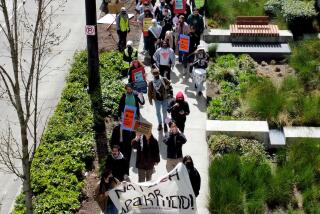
x=164, y=105
x=144, y=175
x=111, y=209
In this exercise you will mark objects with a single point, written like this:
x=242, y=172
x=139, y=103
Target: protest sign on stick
x=128, y=118
x=172, y=193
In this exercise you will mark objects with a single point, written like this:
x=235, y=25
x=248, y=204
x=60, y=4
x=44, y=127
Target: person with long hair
x=194, y=175
x=106, y=183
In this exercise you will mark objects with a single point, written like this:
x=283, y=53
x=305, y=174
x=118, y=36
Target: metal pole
x=94, y=79
x=92, y=45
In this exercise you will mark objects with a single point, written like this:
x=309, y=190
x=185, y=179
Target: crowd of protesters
x=161, y=45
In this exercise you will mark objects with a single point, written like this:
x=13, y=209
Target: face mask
x=156, y=77
x=162, y=3
x=189, y=165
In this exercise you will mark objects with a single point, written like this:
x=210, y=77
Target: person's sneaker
x=195, y=85
x=199, y=93
x=160, y=127
x=165, y=128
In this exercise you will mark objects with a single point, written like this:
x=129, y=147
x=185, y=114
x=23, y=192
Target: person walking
x=134, y=65
x=130, y=98
x=179, y=110
x=123, y=28
x=194, y=175
x=147, y=14
x=154, y=33
x=196, y=20
x=165, y=59
x=101, y=196
x=147, y=155
x=182, y=29
x=122, y=138
x=117, y=164
x=130, y=53
x=174, y=142
x=159, y=91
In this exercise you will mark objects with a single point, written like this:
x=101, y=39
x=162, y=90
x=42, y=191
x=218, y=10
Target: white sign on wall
x=171, y=193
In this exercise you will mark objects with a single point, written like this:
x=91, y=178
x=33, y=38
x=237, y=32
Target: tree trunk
x=26, y=166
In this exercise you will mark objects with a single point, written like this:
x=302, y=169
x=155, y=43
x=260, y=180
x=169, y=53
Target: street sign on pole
x=90, y=30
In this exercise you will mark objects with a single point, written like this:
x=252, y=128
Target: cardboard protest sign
x=180, y=6
x=171, y=193
x=143, y=127
x=128, y=118
x=147, y=22
x=184, y=43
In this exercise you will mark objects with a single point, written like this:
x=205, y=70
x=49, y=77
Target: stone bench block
x=252, y=129
x=293, y=134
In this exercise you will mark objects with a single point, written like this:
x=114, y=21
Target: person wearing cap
x=196, y=20
x=201, y=59
x=179, y=109
x=154, y=33
x=159, y=91
x=123, y=28
x=174, y=142
x=130, y=98
x=130, y=53
x=165, y=59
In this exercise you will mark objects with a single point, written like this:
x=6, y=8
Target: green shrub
x=311, y=200
x=304, y=59
x=280, y=191
x=249, y=149
x=225, y=191
x=225, y=11
x=311, y=110
x=294, y=9
x=66, y=148
x=265, y=100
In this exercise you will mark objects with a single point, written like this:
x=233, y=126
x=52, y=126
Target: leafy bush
x=231, y=73
x=293, y=9
x=66, y=148
x=247, y=148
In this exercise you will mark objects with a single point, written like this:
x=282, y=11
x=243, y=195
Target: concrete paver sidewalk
x=195, y=132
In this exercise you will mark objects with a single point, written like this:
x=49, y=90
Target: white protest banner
x=171, y=193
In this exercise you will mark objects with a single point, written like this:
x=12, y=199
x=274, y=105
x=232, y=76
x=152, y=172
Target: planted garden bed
x=245, y=179
x=247, y=90
x=66, y=151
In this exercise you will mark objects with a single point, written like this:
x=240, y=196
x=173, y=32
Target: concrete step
x=277, y=138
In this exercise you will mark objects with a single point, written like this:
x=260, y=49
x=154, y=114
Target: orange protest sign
x=128, y=118
x=184, y=42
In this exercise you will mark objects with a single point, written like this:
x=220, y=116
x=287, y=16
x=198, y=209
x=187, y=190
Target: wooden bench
x=253, y=26
x=252, y=20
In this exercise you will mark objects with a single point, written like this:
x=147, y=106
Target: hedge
x=67, y=146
